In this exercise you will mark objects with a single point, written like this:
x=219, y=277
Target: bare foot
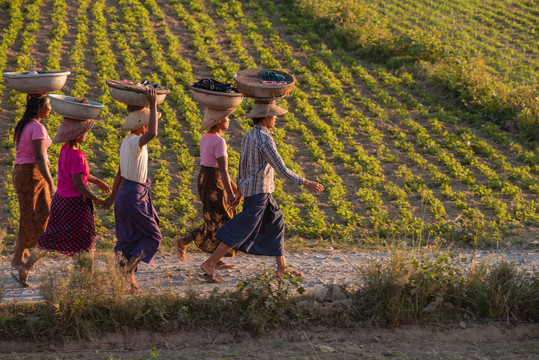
x=22, y=276
x=209, y=270
x=289, y=272
x=180, y=248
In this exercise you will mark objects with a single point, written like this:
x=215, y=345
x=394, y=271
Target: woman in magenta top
x=216, y=191
x=71, y=227
x=31, y=177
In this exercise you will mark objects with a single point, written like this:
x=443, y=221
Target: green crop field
x=399, y=109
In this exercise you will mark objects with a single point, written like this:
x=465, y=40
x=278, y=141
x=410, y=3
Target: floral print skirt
x=215, y=209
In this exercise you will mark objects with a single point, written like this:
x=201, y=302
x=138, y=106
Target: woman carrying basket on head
x=137, y=222
x=216, y=190
x=32, y=179
x=71, y=227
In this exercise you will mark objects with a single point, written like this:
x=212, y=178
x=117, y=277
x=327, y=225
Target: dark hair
x=258, y=120
x=33, y=105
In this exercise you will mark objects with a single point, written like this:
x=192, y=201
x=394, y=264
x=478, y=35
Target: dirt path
x=495, y=341
x=319, y=268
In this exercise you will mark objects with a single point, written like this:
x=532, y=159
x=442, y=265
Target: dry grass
x=418, y=287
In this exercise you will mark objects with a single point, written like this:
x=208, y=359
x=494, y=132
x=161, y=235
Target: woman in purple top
x=32, y=179
x=71, y=227
x=216, y=191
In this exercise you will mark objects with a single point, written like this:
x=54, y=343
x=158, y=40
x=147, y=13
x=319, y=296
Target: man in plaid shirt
x=259, y=228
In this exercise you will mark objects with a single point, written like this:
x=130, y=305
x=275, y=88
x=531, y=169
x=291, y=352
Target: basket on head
x=36, y=82
x=134, y=94
x=256, y=83
x=218, y=105
x=70, y=107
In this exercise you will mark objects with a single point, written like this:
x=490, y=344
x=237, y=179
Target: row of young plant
x=468, y=80
x=371, y=80
x=465, y=142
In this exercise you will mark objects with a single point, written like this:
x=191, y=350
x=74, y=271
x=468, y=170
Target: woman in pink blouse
x=32, y=179
x=216, y=191
x=71, y=227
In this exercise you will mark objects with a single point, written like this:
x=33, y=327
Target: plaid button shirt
x=259, y=158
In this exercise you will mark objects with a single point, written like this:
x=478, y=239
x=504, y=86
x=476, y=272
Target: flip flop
x=22, y=282
x=212, y=278
x=225, y=266
x=135, y=288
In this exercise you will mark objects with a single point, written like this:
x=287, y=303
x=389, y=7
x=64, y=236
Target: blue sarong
x=137, y=222
x=258, y=229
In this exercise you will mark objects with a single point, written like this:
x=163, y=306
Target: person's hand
x=104, y=187
x=236, y=201
x=313, y=186
x=108, y=202
x=151, y=95
x=230, y=198
x=52, y=189
x=99, y=202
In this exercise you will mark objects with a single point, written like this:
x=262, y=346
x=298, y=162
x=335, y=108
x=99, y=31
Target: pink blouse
x=25, y=148
x=71, y=162
x=212, y=147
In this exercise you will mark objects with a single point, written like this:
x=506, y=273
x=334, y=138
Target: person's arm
x=81, y=187
x=222, y=163
x=270, y=153
x=152, y=125
x=40, y=151
x=115, y=187
x=103, y=186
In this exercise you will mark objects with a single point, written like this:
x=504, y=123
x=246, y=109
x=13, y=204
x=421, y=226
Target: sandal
x=212, y=278
x=21, y=281
x=221, y=265
x=135, y=288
